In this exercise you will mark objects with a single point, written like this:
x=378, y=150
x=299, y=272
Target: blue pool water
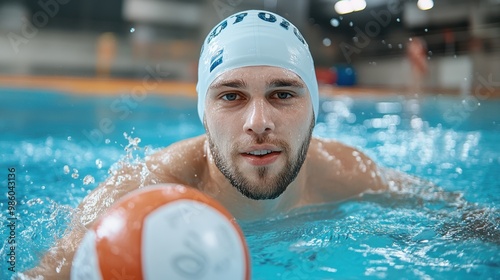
x=62, y=146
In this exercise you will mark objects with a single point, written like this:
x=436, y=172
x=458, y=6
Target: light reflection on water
x=450, y=231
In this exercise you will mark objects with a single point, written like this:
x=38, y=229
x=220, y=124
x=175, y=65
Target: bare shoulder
x=182, y=162
x=340, y=170
x=157, y=168
x=339, y=154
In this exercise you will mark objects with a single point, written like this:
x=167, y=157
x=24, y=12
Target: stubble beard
x=269, y=186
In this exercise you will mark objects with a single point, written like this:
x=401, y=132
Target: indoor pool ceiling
x=319, y=10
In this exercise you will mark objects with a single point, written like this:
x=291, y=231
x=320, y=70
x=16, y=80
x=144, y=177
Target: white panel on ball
x=187, y=239
x=85, y=263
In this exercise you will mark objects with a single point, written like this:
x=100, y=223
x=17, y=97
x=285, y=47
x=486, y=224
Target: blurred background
x=443, y=45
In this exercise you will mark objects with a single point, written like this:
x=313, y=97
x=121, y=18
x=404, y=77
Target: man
x=258, y=100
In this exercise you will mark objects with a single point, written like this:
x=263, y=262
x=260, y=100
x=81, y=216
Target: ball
x=163, y=232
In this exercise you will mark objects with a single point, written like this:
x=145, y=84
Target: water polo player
x=258, y=101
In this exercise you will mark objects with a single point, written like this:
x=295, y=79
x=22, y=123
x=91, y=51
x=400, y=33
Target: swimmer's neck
x=244, y=208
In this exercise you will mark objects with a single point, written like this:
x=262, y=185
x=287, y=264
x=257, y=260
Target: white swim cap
x=255, y=38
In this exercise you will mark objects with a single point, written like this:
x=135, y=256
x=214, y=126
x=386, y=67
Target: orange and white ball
x=163, y=232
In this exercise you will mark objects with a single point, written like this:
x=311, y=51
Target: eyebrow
x=275, y=83
x=237, y=83
x=286, y=83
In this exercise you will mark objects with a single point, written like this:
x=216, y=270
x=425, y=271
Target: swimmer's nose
x=258, y=118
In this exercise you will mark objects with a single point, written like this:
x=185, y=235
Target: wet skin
x=258, y=159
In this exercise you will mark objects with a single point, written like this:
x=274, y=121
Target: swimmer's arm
x=396, y=180
x=56, y=263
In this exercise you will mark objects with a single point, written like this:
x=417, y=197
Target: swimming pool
x=61, y=146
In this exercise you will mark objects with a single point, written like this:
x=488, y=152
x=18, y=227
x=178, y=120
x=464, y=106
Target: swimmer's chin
x=253, y=195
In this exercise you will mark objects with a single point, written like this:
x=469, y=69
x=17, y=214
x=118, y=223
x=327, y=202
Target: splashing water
x=45, y=215
x=408, y=234
x=444, y=225
x=98, y=163
x=88, y=180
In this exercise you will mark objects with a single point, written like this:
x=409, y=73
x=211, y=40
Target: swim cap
x=255, y=38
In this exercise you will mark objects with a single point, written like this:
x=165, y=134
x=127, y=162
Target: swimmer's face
x=259, y=121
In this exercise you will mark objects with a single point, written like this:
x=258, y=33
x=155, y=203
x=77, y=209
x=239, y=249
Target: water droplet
x=327, y=42
x=42, y=187
x=135, y=141
x=400, y=46
x=69, y=138
x=66, y=169
x=455, y=56
x=107, y=141
x=88, y=180
x=383, y=42
x=98, y=162
x=334, y=22
x=429, y=52
x=426, y=30
x=410, y=39
x=75, y=174
x=398, y=20
x=389, y=46
x=351, y=24
x=132, y=30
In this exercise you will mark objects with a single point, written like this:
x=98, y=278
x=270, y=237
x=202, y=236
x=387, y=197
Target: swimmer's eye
x=283, y=95
x=230, y=96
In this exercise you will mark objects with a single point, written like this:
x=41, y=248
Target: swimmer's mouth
x=261, y=157
x=259, y=152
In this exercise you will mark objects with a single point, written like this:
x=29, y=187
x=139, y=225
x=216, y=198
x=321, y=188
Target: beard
x=270, y=186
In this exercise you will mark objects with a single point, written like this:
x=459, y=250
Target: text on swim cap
x=266, y=17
